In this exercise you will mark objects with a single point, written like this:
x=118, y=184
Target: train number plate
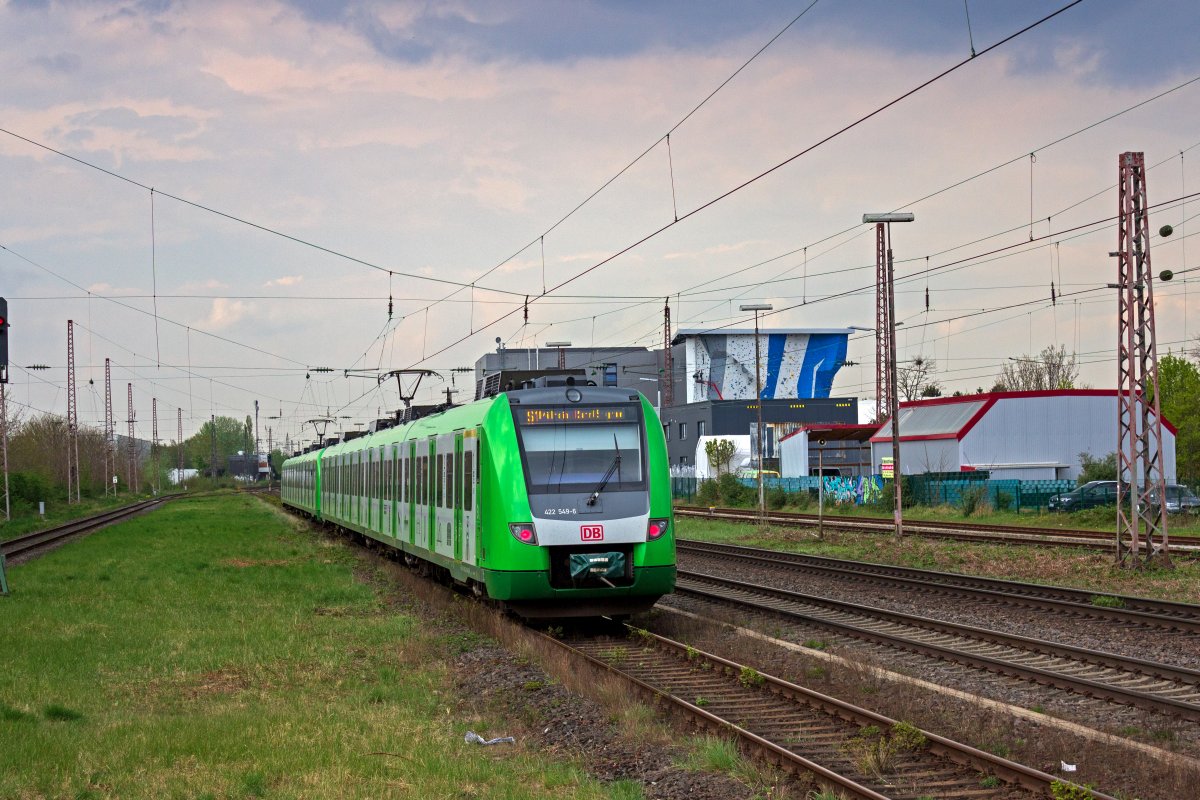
x=591, y=533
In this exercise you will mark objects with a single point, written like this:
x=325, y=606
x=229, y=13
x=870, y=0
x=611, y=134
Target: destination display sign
x=575, y=414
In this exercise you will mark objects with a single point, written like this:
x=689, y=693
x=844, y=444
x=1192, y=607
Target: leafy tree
x=1179, y=385
x=720, y=452
x=1097, y=469
x=231, y=436
x=277, y=458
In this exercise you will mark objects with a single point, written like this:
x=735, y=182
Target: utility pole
x=179, y=447
x=1142, y=501
x=154, y=441
x=4, y=442
x=110, y=451
x=666, y=383
x=212, y=459
x=4, y=404
x=72, y=420
x=132, y=448
x=257, y=447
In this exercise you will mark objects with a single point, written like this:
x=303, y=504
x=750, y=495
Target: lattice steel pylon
x=132, y=446
x=1141, y=502
x=110, y=445
x=72, y=420
x=154, y=440
x=666, y=382
x=883, y=328
x=179, y=446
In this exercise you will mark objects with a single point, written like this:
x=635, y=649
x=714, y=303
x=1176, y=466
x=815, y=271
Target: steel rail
x=22, y=545
x=1177, y=695
x=1126, y=608
x=776, y=718
x=957, y=531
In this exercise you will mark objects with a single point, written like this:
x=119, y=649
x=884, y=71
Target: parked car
x=1180, y=499
x=1090, y=495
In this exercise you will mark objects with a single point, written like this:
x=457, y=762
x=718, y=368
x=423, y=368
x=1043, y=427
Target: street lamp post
x=757, y=307
x=894, y=411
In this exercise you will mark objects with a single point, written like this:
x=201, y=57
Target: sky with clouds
x=239, y=188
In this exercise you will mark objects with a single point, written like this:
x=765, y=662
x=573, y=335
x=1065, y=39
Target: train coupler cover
x=597, y=565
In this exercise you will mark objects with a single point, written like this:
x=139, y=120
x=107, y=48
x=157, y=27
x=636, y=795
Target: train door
x=470, y=473
x=406, y=499
x=456, y=505
x=443, y=523
x=432, y=482
x=420, y=493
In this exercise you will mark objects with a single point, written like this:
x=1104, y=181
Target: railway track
x=1129, y=681
x=849, y=749
x=24, y=547
x=1075, y=602
x=957, y=531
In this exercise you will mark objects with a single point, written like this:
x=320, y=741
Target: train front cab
x=551, y=553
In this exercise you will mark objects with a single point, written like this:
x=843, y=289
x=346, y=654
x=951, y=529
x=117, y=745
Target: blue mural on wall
x=792, y=365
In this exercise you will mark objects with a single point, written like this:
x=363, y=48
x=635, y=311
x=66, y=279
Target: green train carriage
x=554, y=501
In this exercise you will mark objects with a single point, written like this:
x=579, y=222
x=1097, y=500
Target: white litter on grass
x=474, y=738
x=1067, y=767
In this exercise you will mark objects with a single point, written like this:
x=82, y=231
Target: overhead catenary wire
x=771, y=170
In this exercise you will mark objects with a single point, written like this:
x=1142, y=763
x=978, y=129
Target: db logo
x=591, y=533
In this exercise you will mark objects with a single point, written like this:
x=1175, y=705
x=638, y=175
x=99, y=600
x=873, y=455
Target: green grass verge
x=1085, y=569
x=213, y=650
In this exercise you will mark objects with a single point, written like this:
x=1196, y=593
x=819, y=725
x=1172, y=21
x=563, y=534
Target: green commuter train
x=553, y=501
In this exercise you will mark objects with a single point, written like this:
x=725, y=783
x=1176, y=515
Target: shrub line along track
x=24, y=546
x=958, y=531
x=1129, y=681
x=781, y=720
x=1063, y=600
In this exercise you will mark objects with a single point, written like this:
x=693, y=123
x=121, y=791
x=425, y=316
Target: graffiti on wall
x=853, y=490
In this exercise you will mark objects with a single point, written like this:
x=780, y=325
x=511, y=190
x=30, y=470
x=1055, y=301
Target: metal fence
x=928, y=490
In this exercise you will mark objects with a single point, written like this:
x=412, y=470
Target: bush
x=974, y=498
x=1097, y=469
x=1003, y=501
x=708, y=493
x=732, y=492
x=30, y=487
x=777, y=497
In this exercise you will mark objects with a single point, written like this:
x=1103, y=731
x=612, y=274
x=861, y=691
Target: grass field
x=1081, y=568
x=211, y=649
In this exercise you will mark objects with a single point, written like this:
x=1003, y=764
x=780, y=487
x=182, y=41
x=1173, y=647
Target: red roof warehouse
x=1025, y=435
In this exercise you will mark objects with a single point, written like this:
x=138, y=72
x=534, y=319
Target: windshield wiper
x=616, y=465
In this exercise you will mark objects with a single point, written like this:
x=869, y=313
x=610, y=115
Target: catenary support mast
x=1141, y=498
x=72, y=420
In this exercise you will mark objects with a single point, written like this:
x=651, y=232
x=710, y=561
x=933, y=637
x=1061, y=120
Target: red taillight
x=656, y=529
x=523, y=532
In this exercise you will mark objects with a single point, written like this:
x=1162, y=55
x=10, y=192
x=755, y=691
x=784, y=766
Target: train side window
x=468, y=480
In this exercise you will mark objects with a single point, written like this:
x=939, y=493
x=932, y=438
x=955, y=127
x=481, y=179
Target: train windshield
x=573, y=449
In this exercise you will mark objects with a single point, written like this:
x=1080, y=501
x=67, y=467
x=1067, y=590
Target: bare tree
x=1050, y=369
x=914, y=379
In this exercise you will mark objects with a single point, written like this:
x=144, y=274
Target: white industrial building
x=1022, y=435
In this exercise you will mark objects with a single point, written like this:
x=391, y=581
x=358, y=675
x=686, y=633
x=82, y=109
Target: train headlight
x=523, y=532
x=657, y=529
